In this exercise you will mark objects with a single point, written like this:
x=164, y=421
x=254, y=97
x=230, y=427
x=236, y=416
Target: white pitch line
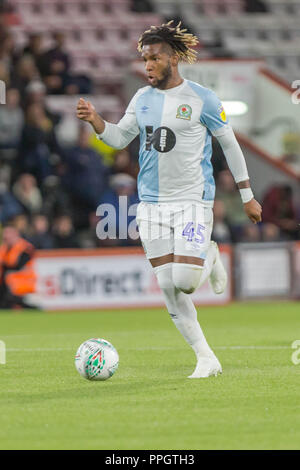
x=151, y=349
x=38, y=349
x=252, y=347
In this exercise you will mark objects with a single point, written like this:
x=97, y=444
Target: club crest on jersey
x=184, y=111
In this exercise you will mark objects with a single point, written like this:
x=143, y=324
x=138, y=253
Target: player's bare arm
x=252, y=208
x=86, y=112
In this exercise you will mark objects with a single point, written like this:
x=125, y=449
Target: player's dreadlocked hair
x=180, y=41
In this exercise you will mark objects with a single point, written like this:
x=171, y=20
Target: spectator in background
x=36, y=93
x=250, y=233
x=9, y=206
x=4, y=175
x=17, y=275
x=39, y=152
x=25, y=72
x=85, y=176
x=7, y=50
x=11, y=124
x=87, y=238
x=141, y=6
x=121, y=185
x=28, y=194
x=4, y=74
x=8, y=16
x=123, y=163
x=54, y=66
x=34, y=48
x=279, y=209
x=255, y=6
x=21, y=222
x=106, y=152
x=40, y=237
x=63, y=233
x=55, y=199
x=228, y=193
x=221, y=232
x=270, y=232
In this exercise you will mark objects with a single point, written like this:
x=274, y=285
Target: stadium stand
x=270, y=31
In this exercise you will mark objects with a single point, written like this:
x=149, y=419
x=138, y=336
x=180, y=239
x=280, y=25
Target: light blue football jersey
x=175, y=128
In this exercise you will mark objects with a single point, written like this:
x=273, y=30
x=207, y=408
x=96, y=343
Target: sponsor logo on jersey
x=163, y=139
x=184, y=111
x=144, y=109
x=222, y=114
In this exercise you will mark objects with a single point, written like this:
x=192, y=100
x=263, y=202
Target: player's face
x=157, y=64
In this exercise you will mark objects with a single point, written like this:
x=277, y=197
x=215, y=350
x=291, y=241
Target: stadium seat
x=167, y=8
x=118, y=7
x=284, y=7
x=30, y=12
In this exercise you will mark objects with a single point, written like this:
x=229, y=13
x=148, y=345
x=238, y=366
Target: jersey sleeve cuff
x=104, y=133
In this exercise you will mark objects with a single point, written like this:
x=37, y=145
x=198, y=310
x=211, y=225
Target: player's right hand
x=85, y=110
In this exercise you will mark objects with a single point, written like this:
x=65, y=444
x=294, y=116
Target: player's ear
x=174, y=60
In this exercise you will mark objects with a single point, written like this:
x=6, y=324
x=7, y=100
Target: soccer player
x=175, y=119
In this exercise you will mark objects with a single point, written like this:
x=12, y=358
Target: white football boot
x=206, y=366
x=218, y=275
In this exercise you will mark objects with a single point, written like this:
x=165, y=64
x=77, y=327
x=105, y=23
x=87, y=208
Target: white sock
x=182, y=311
x=208, y=264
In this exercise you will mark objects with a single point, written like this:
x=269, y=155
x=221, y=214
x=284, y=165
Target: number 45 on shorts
x=192, y=234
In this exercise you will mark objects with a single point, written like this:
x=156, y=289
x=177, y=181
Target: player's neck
x=174, y=81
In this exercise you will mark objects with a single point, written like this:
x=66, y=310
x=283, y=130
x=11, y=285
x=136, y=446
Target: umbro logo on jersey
x=144, y=109
x=184, y=111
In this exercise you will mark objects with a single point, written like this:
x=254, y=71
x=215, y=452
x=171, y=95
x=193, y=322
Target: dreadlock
x=180, y=41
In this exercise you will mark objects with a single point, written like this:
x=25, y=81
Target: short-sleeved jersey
x=175, y=128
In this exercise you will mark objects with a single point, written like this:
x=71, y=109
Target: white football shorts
x=179, y=228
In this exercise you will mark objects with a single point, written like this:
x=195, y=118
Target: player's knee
x=186, y=277
x=164, y=276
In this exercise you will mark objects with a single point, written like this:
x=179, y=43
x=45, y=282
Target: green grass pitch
x=149, y=403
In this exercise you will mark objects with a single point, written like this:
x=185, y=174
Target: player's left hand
x=253, y=210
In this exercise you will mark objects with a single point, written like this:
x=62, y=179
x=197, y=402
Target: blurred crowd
x=279, y=215
x=51, y=191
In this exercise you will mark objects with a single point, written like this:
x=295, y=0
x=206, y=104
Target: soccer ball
x=96, y=359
